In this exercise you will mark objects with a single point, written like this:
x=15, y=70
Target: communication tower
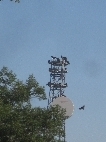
x=57, y=82
x=57, y=85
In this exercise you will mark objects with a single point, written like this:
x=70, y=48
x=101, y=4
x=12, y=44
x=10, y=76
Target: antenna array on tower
x=57, y=82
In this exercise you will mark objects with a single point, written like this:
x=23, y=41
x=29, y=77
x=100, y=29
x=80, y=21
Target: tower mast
x=57, y=82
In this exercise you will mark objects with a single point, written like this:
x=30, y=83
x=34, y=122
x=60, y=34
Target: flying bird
x=82, y=107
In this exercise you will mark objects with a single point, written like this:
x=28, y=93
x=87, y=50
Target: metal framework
x=57, y=82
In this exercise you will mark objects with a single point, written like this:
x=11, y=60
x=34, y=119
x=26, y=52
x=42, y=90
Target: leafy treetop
x=19, y=122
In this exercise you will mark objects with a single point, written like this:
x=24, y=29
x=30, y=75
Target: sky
x=32, y=31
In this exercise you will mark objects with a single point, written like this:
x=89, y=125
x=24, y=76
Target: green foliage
x=17, y=1
x=19, y=122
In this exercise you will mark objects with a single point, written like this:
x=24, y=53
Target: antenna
x=57, y=86
x=65, y=103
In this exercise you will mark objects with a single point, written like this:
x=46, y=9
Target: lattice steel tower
x=57, y=82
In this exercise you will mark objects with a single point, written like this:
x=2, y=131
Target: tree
x=14, y=0
x=19, y=121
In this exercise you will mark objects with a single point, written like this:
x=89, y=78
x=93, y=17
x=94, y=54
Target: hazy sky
x=33, y=30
